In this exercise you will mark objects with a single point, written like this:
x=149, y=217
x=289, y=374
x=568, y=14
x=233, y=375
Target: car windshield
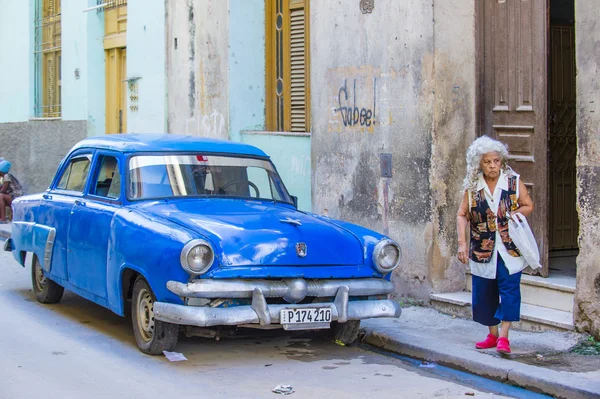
x=160, y=176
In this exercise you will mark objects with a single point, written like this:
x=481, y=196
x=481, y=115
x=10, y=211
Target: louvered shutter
x=298, y=78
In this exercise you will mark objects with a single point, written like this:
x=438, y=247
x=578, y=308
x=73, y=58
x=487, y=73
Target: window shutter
x=298, y=81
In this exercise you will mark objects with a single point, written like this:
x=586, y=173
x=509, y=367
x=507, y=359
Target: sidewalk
x=426, y=334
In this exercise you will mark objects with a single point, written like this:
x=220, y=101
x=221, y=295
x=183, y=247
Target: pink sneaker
x=503, y=345
x=488, y=343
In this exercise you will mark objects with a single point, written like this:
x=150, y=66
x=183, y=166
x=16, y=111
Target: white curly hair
x=476, y=151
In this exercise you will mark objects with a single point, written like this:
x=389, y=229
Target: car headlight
x=386, y=256
x=197, y=256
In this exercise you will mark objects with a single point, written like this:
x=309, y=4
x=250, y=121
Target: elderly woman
x=492, y=191
x=10, y=189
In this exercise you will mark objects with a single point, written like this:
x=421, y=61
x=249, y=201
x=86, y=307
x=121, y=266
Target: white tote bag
x=522, y=236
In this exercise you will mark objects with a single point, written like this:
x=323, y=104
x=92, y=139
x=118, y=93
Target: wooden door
x=115, y=41
x=513, y=95
x=116, y=91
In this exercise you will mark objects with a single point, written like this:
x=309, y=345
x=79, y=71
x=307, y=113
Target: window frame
x=272, y=113
x=98, y=156
x=47, y=41
x=80, y=154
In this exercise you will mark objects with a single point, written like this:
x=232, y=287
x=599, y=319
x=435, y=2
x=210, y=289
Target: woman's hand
x=463, y=253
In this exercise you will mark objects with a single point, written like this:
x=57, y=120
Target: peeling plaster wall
x=400, y=80
x=454, y=129
x=587, y=294
x=372, y=92
x=197, y=67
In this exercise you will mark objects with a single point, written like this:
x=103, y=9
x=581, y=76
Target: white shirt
x=513, y=264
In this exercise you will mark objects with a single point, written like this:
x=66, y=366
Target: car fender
x=35, y=238
x=149, y=246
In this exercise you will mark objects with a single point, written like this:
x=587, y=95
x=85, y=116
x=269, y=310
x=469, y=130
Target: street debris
x=539, y=357
x=338, y=342
x=283, y=390
x=470, y=393
x=174, y=356
x=427, y=365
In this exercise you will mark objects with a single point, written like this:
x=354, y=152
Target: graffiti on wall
x=209, y=125
x=351, y=114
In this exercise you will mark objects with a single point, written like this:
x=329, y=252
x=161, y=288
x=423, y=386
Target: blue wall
x=95, y=75
x=246, y=66
x=74, y=59
x=146, y=50
x=16, y=52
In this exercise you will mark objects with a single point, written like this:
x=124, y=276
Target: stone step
x=554, y=292
x=533, y=317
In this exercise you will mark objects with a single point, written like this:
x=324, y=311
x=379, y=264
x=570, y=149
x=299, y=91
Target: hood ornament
x=289, y=220
x=301, y=249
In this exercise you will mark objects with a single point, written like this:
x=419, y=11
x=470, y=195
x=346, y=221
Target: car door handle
x=47, y=196
x=79, y=202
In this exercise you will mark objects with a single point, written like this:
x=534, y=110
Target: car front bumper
x=261, y=313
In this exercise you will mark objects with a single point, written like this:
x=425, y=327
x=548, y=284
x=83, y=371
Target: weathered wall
x=197, y=67
x=36, y=148
x=587, y=295
x=372, y=92
x=454, y=128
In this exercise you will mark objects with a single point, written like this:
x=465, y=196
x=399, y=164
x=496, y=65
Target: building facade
x=366, y=106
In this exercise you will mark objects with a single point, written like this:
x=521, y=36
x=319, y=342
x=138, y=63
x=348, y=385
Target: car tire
x=152, y=336
x=45, y=290
x=345, y=333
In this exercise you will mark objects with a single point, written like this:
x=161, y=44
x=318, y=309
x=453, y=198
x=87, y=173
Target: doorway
x=562, y=139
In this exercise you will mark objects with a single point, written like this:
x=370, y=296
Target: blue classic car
x=197, y=236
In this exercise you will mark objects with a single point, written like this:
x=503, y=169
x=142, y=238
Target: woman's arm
x=4, y=187
x=461, y=229
x=524, y=200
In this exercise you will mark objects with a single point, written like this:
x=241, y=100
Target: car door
x=55, y=209
x=90, y=225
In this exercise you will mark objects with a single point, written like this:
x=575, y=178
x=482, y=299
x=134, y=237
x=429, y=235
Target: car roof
x=156, y=142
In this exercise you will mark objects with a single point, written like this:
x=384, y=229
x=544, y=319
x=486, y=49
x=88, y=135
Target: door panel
x=89, y=232
x=513, y=76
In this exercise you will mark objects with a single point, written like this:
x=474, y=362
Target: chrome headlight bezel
x=377, y=251
x=183, y=258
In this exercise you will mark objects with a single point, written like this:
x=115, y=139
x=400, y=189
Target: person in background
x=10, y=189
x=492, y=191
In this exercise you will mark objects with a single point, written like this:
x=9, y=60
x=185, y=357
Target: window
x=47, y=59
x=287, y=65
x=108, y=181
x=159, y=176
x=75, y=174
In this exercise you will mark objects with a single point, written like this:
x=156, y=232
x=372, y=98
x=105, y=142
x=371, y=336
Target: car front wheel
x=345, y=333
x=152, y=336
x=45, y=290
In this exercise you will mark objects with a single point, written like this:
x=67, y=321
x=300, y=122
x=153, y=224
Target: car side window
x=75, y=174
x=108, y=180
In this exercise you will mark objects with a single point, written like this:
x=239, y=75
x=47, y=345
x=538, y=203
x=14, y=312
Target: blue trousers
x=499, y=299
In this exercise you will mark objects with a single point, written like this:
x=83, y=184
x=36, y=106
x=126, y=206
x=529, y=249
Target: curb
x=4, y=234
x=549, y=382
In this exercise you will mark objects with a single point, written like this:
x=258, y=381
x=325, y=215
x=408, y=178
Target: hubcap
x=145, y=314
x=40, y=279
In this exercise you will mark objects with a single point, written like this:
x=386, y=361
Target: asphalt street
x=76, y=349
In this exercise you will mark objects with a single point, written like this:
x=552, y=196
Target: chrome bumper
x=259, y=312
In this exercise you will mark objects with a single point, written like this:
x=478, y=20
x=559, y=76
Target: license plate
x=305, y=315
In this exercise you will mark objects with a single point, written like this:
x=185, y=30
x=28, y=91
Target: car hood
x=247, y=233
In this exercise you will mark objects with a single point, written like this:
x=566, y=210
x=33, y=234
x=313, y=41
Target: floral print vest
x=484, y=223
